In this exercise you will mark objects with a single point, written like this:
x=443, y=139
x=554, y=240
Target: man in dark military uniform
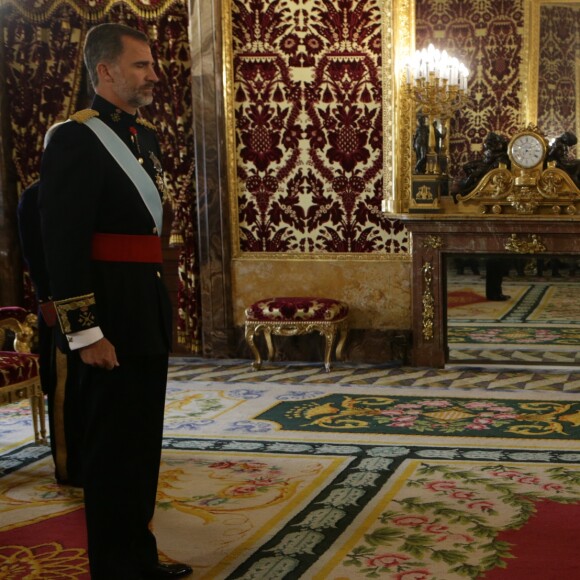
x=495, y=270
x=58, y=370
x=100, y=203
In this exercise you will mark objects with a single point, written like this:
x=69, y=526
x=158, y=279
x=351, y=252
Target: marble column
x=211, y=180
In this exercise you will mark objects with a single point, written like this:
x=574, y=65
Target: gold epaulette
x=84, y=115
x=146, y=123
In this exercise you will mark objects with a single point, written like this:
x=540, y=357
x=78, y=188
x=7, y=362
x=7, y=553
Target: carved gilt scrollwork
x=428, y=301
x=550, y=191
x=434, y=242
x=534, y=245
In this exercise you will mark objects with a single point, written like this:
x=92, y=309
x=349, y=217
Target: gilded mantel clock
x=527, y=150
x=531, y=185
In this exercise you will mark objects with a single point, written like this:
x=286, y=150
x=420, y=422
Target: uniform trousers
x=496, y=269
x=60, y=382
x=123, y=411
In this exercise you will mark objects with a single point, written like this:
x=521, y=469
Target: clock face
x=527, y=150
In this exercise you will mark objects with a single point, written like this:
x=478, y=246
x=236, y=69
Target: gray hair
x=104, y=43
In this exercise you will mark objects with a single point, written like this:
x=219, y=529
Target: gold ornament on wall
x=534, y=245
x=428, y=301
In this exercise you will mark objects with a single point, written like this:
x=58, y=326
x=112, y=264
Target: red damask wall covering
x=308, y=113
x=559, y=45
x=308, y=109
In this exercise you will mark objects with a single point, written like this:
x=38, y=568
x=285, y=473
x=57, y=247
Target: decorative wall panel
x=308, y=127
x=559, y=50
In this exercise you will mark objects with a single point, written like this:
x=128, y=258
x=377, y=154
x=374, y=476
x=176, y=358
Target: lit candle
x=464, y=75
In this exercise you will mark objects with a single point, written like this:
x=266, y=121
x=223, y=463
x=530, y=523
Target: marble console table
x=437, y=238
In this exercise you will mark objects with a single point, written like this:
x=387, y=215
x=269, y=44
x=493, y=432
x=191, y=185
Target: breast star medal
x=159, y=177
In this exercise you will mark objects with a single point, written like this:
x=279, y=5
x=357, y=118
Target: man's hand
x=100, y=354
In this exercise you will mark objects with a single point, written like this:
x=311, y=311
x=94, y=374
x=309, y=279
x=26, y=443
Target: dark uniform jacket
x=85, y=191
x=31, y=240
x=31, y=246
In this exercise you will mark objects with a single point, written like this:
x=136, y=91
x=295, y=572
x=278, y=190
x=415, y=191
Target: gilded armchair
x=19, y=371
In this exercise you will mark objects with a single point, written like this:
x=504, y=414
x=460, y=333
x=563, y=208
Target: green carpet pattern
x=428, y=416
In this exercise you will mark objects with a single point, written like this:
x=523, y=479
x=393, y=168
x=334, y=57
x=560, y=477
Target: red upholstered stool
x=291, y=316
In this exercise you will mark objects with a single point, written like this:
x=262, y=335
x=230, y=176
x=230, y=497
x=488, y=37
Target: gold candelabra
x=437, y=84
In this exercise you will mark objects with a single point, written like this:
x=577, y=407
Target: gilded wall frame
x=397, y=192
x=398, y=43
x=398, y=26
x=532, y=33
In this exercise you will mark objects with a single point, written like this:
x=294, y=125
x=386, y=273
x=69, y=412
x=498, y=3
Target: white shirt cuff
x=83, y=338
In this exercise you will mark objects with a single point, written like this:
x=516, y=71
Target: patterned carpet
x=365, y=472
x=538, y=325
x=385, y=375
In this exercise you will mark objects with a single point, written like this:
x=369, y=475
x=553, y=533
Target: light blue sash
x=132, y=168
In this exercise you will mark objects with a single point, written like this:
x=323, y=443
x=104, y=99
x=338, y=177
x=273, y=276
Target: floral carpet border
x=308, y=534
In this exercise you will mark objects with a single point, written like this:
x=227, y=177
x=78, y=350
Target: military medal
x=135, y=142
x=159, y=178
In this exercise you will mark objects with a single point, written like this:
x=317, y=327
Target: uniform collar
x=112, y=115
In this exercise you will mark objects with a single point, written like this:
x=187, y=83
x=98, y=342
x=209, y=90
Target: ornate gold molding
x=42, y=10
x=428, y=301
x=397, y=45
x=531, y=56
x=321, y=257
x=393, y=39
x=534, y=245
x=230, y=116
x=550, y=191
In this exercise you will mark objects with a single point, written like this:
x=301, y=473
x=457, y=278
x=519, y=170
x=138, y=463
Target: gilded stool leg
x=249, y=335
x=269, y=343
x=330, y=336
x=342, y=339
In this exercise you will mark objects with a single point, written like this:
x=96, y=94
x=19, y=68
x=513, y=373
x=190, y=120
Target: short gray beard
x=140, y=101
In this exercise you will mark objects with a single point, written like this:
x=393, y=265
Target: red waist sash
x=126, y=248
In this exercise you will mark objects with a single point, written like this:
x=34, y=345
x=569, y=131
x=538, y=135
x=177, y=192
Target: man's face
x=133, y=75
